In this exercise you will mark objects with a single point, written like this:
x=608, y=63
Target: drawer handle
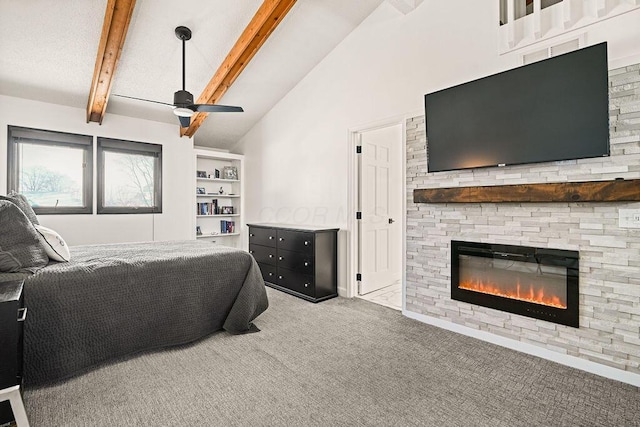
x=250, y=252
x=22, y=314
x=280, y=258
x=251, y=235
x=306, y=264
x=279, y=277
x=281, y=239
x=306, y=243
x=270, y=274
x=306, y=285
x=270, y=255
x=270, y=237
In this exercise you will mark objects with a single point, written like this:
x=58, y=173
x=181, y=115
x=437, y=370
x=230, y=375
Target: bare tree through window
x=129, y=177
x=129, y=180
x=51, y=175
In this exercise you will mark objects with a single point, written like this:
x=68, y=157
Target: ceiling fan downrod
x=184, y=34
x=182, y=98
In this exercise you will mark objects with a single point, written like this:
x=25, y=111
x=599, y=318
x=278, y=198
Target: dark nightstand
x=12, y=314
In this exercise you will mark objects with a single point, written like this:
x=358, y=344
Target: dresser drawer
x=263, y=254
x=297, y=241
x=296, y=281
x=269, y=273
x=262, y=236
x=301, y=262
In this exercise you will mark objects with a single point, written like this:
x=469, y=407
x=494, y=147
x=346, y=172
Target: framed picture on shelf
x=201, y=174
x=226, y=210
x=200, y=190
x=198, y=231
x=230, y=172
x=216, y=173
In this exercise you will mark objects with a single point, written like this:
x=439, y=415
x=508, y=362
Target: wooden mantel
x=591, y=191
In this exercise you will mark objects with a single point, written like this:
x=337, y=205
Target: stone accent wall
x=609, y=330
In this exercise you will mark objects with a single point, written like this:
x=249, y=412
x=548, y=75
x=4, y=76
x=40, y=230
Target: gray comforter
x=114, y=300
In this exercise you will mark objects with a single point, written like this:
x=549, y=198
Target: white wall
x=175, y=220
x=297, y=155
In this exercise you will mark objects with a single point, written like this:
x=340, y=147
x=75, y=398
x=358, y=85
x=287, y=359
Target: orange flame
x=529, y=295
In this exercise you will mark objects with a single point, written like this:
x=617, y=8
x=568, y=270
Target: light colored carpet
x=343, y=362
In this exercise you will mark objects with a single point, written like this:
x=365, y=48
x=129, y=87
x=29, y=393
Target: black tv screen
x=555, y=109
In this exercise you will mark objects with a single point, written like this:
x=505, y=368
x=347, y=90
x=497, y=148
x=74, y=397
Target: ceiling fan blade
x=142, y=99
x=184, y=121
x=213, y=108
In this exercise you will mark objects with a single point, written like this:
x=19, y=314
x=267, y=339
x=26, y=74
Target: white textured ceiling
x=48, y=50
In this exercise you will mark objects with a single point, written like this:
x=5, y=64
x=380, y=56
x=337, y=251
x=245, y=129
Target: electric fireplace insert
x=535, y=282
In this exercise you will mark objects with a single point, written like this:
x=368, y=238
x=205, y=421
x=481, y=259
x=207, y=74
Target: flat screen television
x=555, y=109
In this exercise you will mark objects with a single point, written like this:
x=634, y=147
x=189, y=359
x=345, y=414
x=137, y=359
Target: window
x=129, y=177
x=52, y=169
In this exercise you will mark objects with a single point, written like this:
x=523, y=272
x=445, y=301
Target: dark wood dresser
x=299, y=260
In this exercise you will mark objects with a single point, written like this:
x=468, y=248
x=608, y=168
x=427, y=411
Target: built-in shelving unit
x=217, y=179
x=218, y=198
x=217, y=236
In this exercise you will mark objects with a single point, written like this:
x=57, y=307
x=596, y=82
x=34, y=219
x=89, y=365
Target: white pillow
x=54, y=245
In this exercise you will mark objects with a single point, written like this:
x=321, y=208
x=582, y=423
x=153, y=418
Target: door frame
x=353, y=195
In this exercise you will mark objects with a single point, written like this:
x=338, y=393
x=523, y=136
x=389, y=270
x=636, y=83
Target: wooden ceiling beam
x=114, y=32
x=263, y=23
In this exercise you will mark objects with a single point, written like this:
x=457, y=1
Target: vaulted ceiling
x=48, y=53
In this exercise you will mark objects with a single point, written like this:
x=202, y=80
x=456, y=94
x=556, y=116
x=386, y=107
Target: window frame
x=128, y=147
x=51, y=139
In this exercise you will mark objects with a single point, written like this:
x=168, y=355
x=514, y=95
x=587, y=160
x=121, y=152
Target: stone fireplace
x=609, y=265
x=534, y=282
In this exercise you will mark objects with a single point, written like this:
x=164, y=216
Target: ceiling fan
x=183, y=105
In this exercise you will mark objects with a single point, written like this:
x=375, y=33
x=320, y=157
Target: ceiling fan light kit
x=183, y=105
x=183, y=112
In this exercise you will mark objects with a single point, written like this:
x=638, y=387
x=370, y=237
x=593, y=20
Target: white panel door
x=381, y=207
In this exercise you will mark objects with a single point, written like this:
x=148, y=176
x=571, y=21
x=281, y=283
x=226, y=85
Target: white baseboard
x=563, y=359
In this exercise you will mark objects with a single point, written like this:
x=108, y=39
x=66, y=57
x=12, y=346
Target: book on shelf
x=206, y=208
x=227, y=227
x=203, y=209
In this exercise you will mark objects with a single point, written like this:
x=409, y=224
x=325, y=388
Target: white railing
x=528, y=22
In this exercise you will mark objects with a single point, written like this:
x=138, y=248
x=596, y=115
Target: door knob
x=391, y=221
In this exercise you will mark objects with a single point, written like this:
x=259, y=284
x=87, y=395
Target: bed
x=114, y=300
